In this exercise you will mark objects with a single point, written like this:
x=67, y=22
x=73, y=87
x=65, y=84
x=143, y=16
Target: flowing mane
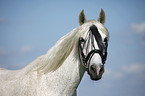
x=56, y=55
x=59, y=52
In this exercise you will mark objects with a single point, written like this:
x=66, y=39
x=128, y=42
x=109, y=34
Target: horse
x=60, y=70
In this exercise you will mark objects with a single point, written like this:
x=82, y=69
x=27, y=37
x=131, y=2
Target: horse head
x=93, y=45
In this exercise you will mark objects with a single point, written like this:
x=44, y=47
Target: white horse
x=60, y=70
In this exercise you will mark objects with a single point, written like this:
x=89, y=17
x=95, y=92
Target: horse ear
x=101, y=17
x=82, y=18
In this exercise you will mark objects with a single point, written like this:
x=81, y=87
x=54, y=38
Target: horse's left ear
x=101, y=17
x=82, y=18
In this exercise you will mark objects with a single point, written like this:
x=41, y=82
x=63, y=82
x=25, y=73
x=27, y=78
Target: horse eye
x=106, y=42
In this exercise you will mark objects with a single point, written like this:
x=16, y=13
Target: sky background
x=29, y=28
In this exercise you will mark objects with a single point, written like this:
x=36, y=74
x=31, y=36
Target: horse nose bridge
x=96, y=59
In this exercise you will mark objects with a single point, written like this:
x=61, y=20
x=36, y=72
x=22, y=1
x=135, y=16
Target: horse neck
x=68, y=76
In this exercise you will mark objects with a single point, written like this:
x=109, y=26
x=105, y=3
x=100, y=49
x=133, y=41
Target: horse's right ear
x=82, y=18
x=101, y=17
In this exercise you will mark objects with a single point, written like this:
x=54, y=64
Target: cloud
x=26, y=48
x=111, y=74
x=17, y=51
x=143, y=43
x=13, y=58
x=138, y=27
x=3, y=21
x=135, y=70
x=3, y=51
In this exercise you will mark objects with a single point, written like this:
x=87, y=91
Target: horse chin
x=95, y=78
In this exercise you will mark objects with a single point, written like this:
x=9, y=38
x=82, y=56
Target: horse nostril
x=101, y=70
x=93, y=68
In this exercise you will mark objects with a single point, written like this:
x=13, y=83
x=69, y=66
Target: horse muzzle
x=96, y=72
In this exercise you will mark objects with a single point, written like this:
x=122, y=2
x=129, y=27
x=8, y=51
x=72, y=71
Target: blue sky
x=29, y=28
